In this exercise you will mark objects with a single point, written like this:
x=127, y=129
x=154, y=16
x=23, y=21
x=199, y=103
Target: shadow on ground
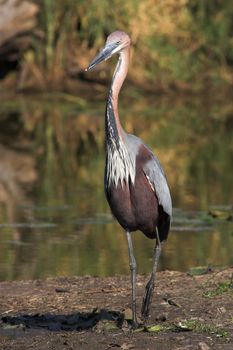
x=77, y=321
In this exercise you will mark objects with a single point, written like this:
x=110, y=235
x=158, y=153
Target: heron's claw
x=147, y=299
x=134, y=324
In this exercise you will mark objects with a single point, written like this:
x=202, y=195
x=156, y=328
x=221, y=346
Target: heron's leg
x=147, y=299
x=133, y=266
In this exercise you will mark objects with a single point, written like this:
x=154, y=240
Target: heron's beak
x=104, y=55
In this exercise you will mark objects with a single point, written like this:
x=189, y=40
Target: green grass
x=221, y=288
x=201, y=327
x=186, y=326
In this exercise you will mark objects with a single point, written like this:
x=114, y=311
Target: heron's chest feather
x=120, y=165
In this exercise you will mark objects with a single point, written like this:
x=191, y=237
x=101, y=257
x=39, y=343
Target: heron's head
x=115, y=43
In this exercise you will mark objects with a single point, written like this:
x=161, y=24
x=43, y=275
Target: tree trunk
x=17, y=20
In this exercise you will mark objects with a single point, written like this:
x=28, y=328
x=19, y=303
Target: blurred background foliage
x=183, y=44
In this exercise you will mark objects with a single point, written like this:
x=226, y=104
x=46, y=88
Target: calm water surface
x=54, y=219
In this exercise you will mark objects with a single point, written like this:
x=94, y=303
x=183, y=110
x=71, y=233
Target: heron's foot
x=147, y=299
x=134, y=324
x=134, y=321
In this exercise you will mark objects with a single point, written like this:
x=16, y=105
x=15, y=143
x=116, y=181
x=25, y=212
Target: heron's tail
x=163, y=224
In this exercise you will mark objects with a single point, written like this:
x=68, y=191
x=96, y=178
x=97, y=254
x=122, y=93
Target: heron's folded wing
x=156, y=177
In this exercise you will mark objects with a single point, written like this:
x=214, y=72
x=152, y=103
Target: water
x=54, y=219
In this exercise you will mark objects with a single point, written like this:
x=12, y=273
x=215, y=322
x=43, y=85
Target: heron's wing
x=156, y=177
x=152, y=170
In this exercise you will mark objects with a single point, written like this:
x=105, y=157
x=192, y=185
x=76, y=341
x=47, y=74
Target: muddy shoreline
x=188, y=312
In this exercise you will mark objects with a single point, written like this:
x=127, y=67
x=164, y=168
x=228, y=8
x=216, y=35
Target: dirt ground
x=188, y=312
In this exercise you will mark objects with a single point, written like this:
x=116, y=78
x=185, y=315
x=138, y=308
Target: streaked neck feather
x=120, y=167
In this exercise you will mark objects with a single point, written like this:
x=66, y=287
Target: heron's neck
x=114, y=130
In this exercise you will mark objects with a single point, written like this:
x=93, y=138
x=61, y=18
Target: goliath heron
x=135, y=183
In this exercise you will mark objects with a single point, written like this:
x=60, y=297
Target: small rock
x=162, y=317
x=127, y=346
x=128, y=315
x=222, y=310
x=203, y=346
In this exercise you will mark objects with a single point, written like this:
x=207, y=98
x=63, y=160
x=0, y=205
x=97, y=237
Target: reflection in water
x=54, y=219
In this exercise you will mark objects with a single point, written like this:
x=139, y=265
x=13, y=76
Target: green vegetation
x=186, y=326
x=156, y=328
x=222, y=287
x=185, y=44
x=199, y=270
x=201, y=327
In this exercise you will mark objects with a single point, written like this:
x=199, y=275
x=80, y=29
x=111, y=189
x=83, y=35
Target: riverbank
x=190, y=311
